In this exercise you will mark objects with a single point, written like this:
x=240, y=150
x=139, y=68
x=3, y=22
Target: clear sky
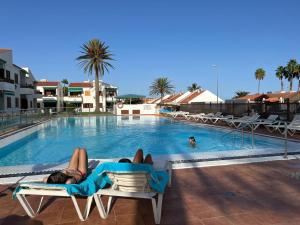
x=149, y=39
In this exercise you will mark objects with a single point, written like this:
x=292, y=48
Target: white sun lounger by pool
x=194, y=116
x=214, y=120
x=43, y=189
x=244, y=120
x=129, y=185
x=292, y=127
x=272, y=119
x=179, y=113
x=46, y=190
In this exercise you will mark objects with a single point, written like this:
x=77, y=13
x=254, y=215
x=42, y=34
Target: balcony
x=7, y=84
x=26, y=89
x=49, y=98
x=110, y=99
x=73, y=99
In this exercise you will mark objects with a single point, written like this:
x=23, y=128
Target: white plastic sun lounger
x=221, y=118
x=194, y=116
x=179, y=113
x=272, y=119
x=245, y=120
x=214, y=117
x=292, y=127
x=44, y=190
x=129, y=185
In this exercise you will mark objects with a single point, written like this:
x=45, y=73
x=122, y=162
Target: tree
x=65, y=89
x=259, y=75
x=194, y=87
x=292, y=71
x=280, y=74
x=95, y=58
x=161, y=86
x=239, y=94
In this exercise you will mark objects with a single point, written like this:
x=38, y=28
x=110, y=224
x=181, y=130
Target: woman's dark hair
x=124, y=160
x=57, y=178
x=192, y=138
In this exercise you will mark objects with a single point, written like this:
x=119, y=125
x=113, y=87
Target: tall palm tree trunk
x=298, y=84
x=161, y=98
x=258, y=86
x=281, y=83
x=291, y=84
x=97, y=90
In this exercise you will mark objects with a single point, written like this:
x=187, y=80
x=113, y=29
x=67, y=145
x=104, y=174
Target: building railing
x=27, y=86
x=7, y=80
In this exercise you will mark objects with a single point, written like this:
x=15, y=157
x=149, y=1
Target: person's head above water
x=192, y=140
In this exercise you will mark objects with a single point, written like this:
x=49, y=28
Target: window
x=30, y=104
x=7, y=74
x=88, y=105
x=39, y=105
x=17, y=102
x=8, y=99
x=16, y=78
x=87, y=93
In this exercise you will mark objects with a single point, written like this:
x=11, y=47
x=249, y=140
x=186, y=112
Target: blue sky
x=149, y=39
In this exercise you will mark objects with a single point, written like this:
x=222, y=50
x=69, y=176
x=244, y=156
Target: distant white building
x=17, y=90
x=82, y=95
x=51, y=95
x=198, y=96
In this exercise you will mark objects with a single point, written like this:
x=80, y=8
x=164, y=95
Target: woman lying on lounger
x=78, y=167
x=74, y=173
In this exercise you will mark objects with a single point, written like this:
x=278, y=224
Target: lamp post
x=216, y=67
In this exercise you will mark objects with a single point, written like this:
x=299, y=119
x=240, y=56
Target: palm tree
x=161, y=86
x=292, y=71
x=259, y=75
x=280, y=74
x=194, y=87
x=65, y=82
x=239, y=94
x=95, y=58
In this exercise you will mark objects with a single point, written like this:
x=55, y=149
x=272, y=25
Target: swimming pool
x=116, y=137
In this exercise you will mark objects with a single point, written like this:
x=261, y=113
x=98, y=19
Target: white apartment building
x=51, y=95
x=82, y=95
x=17, y=91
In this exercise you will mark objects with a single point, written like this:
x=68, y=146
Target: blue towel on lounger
x=98, y=179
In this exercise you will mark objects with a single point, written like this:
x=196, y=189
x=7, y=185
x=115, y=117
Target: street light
x=216, y=67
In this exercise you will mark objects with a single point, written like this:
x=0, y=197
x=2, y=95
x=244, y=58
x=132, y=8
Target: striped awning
x=75, y=89
x=9, y=93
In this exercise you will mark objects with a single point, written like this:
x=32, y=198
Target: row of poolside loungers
x=272, y=123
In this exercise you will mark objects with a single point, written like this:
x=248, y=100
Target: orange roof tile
x=191, y=96
x=172, y=98
x=47, y=83
x=81, y=84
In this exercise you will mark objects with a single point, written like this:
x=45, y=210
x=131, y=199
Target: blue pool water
x=112, y=137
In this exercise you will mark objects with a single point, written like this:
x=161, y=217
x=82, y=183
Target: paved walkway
x=258, y=193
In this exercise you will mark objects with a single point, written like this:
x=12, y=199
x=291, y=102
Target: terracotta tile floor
x=258, y=194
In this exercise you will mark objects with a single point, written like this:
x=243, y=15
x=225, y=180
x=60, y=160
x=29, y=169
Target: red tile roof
x=271, y=96
x=190, y=97
x=172, y=98
x=2, y=50
x=82, y=84
x=47, y=83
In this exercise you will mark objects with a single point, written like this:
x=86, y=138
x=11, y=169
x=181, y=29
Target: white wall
x=144, y=109
x=206, y=97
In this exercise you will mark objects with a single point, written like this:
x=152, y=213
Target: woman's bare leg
x=83, y=161
x=73, y=164
x=139, y=156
